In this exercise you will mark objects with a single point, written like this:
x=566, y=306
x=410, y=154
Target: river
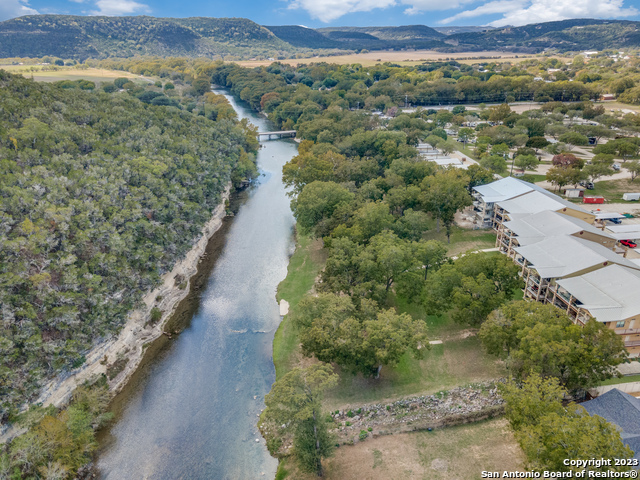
x=190, y=412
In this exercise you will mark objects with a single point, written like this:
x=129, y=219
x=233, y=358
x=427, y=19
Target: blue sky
x=318, y=13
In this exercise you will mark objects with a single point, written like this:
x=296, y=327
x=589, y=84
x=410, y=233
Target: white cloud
x=15, y=8
x=420, y=6
x=328, y=10
x=119, y=7
x=523, y=12
x=497, y=6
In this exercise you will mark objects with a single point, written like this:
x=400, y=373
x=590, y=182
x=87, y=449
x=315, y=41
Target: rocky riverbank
x=119, y=356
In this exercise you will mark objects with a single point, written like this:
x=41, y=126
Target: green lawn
x=468, y=152
x=612, y=190
x=304, y=266
x=626, y=379
x=459, y=360
x=453, y=363
x=536, y=177
x=462, y=239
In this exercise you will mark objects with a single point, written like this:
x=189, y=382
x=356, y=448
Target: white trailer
x=631, y=196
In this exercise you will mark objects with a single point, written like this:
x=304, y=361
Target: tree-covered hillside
x=299, y=36
x=100, y=194
x=565, y=35
x=80, y=37
x=403, y=32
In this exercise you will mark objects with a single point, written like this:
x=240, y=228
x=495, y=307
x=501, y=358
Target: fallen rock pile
x=453, y=407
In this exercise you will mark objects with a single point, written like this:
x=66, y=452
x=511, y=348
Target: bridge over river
x=277, y=135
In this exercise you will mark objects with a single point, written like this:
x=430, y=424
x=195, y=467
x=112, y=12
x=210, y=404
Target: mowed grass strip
x=304, y=266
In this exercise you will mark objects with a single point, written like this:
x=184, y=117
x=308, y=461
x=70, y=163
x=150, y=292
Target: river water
x=191, y=410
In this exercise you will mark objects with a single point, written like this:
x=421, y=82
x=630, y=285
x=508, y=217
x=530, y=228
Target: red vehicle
x=629, y=243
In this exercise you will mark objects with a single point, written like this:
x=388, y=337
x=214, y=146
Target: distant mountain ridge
x=564, y=35
x=81, y=37
x=452, y=30
x=68, y=36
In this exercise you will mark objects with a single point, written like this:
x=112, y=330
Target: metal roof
x=609, y=294
x=503, y=189
x=558, y=257
x=607, y=215
x=537, y=201
x=624, y=232
x=535, y=228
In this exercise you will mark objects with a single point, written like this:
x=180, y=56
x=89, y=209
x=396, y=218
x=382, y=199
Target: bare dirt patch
x=459, y=453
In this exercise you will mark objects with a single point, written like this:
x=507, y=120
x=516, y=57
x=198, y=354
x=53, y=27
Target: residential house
x=623, y=410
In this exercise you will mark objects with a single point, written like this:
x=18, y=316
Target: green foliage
x=526, y=162
x=320, y=206
x=550, y=432
x=444, y=194
x=80, y=37
x=472, y=286
x=101, y=194
x=360, y=339
x=538, y=338
x=294, y=410
x=58, y=442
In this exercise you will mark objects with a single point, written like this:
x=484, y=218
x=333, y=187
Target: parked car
x=588, y=185
x=629, y=243
x=616, y=167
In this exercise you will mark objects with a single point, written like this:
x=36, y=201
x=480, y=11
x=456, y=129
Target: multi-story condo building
x=566, y=260
x=611, y=295
x=485, y=197
x=535, y=202
x=559, y=257
x=539, y=226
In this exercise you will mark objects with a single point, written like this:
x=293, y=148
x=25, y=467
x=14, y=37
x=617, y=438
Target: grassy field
x=453, y=453
x=458, y=361
x=468, y=152
x=98, y=75
x=612, y=190
x=401, y=58
x=626, y=379
x=304, y=266
x=462, y=239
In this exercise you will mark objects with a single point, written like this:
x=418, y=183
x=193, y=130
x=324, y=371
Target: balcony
x=565, y=296
x=628, y=331
x=634, y=343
